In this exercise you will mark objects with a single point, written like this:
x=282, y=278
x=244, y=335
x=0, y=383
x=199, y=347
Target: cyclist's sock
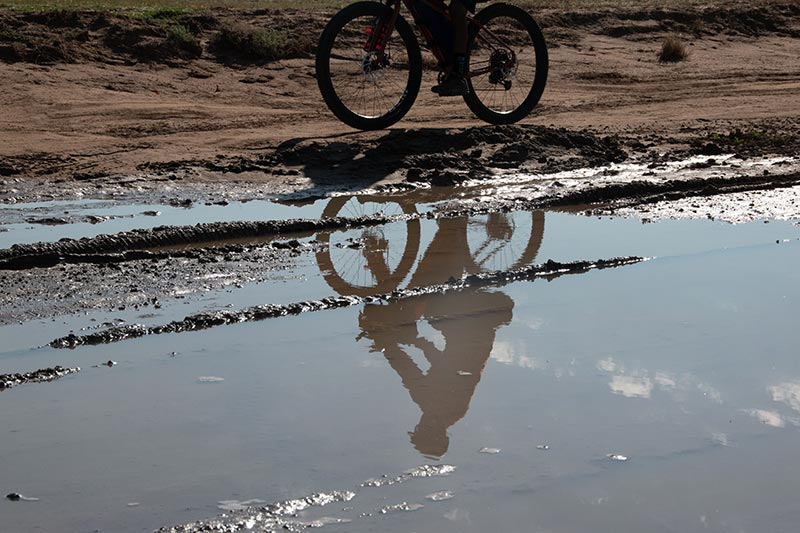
x=460, y=65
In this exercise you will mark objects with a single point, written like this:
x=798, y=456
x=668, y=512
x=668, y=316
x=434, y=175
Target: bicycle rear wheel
x=510, y=50
x=368, y=90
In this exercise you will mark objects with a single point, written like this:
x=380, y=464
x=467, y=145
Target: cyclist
x=455, y=82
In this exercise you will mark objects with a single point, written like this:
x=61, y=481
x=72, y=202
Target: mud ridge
x=647, y=192
x=549, y=270
x=43, y=375
x=21, y=256
x=50, y=259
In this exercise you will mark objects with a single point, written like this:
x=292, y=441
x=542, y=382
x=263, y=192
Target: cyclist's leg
x=458, y=13
x=455, y=83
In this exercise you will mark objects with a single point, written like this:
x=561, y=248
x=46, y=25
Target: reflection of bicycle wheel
x=502, y=241
x=368, y=260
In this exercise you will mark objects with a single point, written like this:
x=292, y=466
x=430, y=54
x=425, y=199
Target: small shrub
x=269, y=44
x=182, y=42
x=673, y=50
x=246, y=43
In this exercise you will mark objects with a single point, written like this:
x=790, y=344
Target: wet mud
x=8, y=381
x=417, y=155
x=549, y=270
x=140, y=281
x=647, y=192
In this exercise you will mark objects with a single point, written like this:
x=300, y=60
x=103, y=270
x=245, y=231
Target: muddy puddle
x=646, y=396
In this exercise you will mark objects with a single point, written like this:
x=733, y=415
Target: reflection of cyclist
x=455, y=82
x=467, y=320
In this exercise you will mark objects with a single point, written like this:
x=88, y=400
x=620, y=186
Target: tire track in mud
x=132, y=245
x=128, y=246
x=548, y=270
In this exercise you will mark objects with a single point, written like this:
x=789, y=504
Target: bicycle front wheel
x=368, y=89
x=508, y=64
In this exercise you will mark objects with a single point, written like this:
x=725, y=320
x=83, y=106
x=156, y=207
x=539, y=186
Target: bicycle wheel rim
x=521, y=39
x=369, y=85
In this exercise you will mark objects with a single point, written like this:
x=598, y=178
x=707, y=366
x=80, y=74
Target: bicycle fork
x=378, y=34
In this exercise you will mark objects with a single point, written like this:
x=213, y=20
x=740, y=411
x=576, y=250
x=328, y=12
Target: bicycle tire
x=475, y=99
x=407, y=90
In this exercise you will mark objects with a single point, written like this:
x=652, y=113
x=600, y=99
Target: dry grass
x=673, y=50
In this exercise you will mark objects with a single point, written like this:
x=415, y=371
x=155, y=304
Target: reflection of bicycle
x=378, y=259
x=369, y=65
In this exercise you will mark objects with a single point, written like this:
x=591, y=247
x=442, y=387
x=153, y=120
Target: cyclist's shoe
x=452, y=85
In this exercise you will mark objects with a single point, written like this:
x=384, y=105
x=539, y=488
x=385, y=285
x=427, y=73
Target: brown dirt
x=98, y=96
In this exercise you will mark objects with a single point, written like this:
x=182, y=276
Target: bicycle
x=369, y=63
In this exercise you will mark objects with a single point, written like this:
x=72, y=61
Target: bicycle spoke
x=509, y=86
x=382, y=79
